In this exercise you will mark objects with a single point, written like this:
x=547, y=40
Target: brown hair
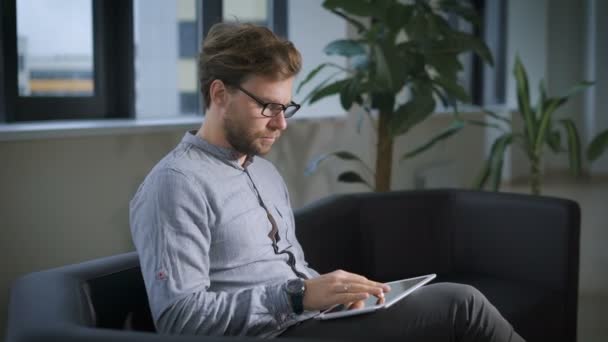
x=232, y=52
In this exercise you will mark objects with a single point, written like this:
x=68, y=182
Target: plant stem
x=384, y=154
x=535, y=180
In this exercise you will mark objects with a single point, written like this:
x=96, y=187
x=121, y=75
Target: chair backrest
x=354, y=231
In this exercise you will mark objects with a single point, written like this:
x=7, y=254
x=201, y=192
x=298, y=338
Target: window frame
x=113, y=60
x=489, y=83
x=212, y=14
x=113, y=50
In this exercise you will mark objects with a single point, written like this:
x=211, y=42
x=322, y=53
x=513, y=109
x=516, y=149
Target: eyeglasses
x=270, y=109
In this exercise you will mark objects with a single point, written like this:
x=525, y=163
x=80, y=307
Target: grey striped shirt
x=201, y=231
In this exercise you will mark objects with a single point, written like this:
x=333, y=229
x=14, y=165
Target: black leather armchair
x=520, y=251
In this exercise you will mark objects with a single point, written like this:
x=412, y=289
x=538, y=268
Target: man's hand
x=340, y=287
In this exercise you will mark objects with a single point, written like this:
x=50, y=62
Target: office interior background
x=68, y=170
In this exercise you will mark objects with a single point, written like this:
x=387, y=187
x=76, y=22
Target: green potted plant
x=540, y=129
x=401, y=46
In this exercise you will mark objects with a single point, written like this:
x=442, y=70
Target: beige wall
x=65, y=200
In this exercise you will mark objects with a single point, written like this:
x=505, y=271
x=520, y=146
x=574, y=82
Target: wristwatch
x=295, y=289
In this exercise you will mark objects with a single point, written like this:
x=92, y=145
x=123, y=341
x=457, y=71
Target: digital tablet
x=399, y=290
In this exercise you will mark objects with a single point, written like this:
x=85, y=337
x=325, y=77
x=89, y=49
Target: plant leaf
x=311, y=75
x=497, y=155
x=313, y=165
x=545, y=120
x=456, y=42
x=413, y=112
x=320, y=85
x=598, y=145
x=442, y=96
x=417, y=26
x=446, y=64
x=359, y=62
x=345, y=48
x=496, y=116
x=574, y=147
x=397, y=14
x=466, y=12
x=328, y=90
x=554, y=140
x=577, y=88
x=358, y=8
x=484, y=124
x=452, y=88
x=493, y=165
x=349, y=93
x=523, y=100
x=454, y=127
x=482, y=177
x=383, y=73
x=352, y=177
x=384, y=101
x=357, y=24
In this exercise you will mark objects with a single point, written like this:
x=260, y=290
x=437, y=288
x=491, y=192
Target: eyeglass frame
x=266, y=104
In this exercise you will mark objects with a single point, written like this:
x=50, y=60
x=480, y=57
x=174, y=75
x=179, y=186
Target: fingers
x=346, y=281
x=356, y=305
x=358, y=288
x=359, y=279
x=346, y=298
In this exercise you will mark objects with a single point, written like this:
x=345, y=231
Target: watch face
x=295, y=286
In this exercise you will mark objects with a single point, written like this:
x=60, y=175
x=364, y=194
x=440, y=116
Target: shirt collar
x=229, y=155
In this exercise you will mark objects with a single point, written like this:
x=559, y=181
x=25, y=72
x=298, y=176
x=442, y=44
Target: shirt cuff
x=279, y=299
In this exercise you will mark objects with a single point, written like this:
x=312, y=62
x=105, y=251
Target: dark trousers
x=436, y=312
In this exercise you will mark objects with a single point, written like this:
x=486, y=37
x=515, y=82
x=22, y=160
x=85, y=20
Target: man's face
x=246, y=129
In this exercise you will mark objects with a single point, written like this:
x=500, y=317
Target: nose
x=278, y=122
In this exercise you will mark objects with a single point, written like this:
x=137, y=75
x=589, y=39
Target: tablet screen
x=399, y=289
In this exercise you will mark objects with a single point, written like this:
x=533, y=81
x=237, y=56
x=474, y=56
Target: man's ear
x=218, y=93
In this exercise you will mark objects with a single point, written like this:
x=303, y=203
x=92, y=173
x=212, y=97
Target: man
x=215, y=233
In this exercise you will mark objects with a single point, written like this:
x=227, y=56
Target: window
x=166, y=40
x=62, y=60
x=55, y=59
x=111, y=58
x=306, y=17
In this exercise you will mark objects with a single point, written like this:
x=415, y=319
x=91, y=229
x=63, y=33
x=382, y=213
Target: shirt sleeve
x=170, y=227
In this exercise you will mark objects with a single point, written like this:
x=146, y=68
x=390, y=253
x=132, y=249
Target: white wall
x=599, y=116
x=526, y=37
x=565, y=61
x=156, y=48
x=311, y=28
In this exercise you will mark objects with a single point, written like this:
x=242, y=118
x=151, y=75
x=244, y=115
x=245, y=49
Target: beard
x=242, y=139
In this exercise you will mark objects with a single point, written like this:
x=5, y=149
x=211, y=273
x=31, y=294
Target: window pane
x=246, y=11
x=55, y=47
x=166, y=45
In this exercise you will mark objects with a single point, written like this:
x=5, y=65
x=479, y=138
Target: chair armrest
x=80, y=334
x=42, y=302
